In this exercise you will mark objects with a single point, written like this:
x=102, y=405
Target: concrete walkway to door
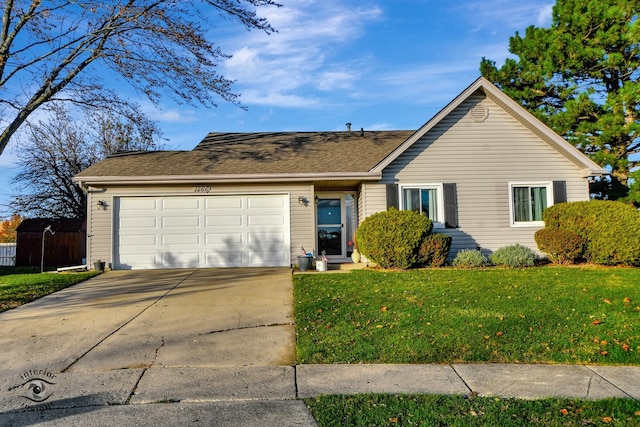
x=212, y=345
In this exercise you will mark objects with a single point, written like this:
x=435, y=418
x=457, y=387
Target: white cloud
x=516, y=15
x=379, y=126
x=168, y=114
x=544, y=15
x=174, y=116
x=338, y=79
x=268, y=98
x=302, y=57
x=427, y=83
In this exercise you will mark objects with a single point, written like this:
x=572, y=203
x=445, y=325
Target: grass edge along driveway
x=19, y=289
x=575, y=315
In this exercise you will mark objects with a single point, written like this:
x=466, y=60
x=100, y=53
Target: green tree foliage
x=392, y=238
x=50, y=51
x=581, y=77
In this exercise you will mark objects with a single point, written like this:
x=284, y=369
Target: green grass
x=20, y=288
x=441, y=410
x=537, y=315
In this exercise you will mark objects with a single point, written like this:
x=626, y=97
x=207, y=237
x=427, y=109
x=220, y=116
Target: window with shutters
x=424, y=198
x=527, y=202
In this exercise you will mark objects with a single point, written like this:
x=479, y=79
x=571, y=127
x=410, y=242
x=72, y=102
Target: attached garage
x=201, y=231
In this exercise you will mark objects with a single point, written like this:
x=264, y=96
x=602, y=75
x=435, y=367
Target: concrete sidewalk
x=270, y=395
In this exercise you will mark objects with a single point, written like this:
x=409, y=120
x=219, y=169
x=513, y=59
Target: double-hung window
x=528, y=201
x=424, y=198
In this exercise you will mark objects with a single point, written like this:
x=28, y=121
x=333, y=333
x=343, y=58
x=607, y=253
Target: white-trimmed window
x=527, y=202
x=424, y=198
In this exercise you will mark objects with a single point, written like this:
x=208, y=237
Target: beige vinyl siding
x=100, y=222
x=482, y=158
x=375, y=196
x=99, y=227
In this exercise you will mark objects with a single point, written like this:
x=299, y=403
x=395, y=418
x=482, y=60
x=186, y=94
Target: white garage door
x=202, y=231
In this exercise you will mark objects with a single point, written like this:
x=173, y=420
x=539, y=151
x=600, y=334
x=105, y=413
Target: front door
x=336, y=222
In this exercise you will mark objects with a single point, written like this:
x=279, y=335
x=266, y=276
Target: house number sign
x=202, y=189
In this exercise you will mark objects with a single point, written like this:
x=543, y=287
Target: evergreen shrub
x=611, y=229
x=469, y=258
x=434, y=250
x=562, y=246
x=514, y=256
x=392, y=238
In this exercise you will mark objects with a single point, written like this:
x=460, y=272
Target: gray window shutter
x=559, y=191
x=392, y=196
x=450, y=205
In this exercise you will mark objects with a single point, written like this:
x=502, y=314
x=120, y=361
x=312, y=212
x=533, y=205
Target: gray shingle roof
x=259, y=153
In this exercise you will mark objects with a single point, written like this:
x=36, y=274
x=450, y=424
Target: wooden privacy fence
x=66, y=246
x=7, y=254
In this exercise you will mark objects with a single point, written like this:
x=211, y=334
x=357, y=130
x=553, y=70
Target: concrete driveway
x=129, y=337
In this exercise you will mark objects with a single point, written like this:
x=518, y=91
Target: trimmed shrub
x=562, y=246
x=469, y=258
x=611, y=229
x=434, y=250
x=392, y=238
x=514, y=256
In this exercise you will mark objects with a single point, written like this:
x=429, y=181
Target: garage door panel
x=181, y=203
x=226, y=203
x=139, y=240
x=234, y=220
x=138, y=204
x=266, y=238
x=140, y=261
x=224, y=238
x=180, y=239
x=225, y=259
x=202, y=231
x=138, y=222
x=181, y=259
x=181, y=222
x=265, y=220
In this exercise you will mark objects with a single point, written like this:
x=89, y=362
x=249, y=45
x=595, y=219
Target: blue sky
x=389, y=64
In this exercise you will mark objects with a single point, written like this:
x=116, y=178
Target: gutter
x=83, y=181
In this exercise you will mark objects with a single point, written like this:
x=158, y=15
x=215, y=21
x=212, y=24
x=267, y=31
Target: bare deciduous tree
x=55, y=150
x=51, y=50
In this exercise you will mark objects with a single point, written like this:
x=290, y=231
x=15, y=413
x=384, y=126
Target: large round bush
x=562, y=246
x=392, y=238
x=611, y=229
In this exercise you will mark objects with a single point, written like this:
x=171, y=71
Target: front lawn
x=538, y=315
x=18, y=289
x=438, y=410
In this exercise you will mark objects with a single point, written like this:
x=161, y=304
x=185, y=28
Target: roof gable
x=586, y=165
